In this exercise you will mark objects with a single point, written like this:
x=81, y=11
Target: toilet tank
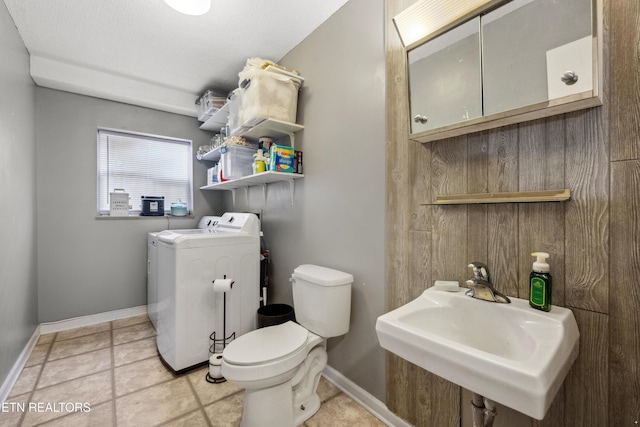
x=322, y=299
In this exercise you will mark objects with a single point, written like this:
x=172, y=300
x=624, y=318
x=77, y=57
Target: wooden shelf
x=506, y=197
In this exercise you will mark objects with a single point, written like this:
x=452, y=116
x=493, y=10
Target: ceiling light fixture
x=190, y=7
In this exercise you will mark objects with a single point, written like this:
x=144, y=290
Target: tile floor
x=110, y=375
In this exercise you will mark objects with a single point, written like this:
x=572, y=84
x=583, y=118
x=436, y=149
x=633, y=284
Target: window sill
x=138, y=216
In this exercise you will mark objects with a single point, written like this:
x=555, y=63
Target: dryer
x=188, y=310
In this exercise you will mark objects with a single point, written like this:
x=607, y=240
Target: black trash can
x=274, y=314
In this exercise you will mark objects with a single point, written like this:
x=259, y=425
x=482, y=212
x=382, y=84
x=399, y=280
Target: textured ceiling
x=145, y=43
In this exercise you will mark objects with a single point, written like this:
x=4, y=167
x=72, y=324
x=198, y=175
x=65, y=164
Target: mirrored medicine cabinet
x=515, y=61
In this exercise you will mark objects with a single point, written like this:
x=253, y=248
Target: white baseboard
x=364, y=398
x=62, y=325
x=92, y=319
x=15, y=371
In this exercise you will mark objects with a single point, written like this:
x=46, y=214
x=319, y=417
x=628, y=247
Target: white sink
x=509, y=353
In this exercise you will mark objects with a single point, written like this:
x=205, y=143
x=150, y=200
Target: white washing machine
x=205, y=223
x=188, y=310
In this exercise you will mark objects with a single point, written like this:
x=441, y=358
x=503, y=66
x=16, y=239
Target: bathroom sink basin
x=509, y=353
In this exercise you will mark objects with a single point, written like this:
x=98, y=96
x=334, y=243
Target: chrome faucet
x=481, y=287
x=480, y=270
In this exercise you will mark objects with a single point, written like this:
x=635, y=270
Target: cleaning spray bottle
x=540, y=283
x=259, y=162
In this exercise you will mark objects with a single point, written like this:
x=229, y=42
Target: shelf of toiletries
x=274, y=129
x=259, y=114
x=504, y=197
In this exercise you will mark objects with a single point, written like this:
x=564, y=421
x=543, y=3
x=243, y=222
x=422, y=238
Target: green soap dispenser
x=540, y=283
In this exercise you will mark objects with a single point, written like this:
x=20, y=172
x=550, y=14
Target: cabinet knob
x=569, y=78
x=420, y=119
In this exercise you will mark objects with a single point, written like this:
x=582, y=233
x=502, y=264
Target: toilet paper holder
x=217, y=345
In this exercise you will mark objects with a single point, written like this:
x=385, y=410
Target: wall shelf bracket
x=292, y=190
x=264, y=194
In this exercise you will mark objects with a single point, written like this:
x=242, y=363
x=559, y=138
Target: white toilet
x=279, y=366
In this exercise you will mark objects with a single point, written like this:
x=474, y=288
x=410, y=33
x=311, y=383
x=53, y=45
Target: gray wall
x=88, y=265
x=18, y=293
x=338, y=217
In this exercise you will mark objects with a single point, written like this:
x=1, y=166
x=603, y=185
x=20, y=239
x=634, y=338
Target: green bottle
x=540, y=283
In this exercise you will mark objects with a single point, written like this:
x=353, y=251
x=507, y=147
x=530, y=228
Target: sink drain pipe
x=484, y=411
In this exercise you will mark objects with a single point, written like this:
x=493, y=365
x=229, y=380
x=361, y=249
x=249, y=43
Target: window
x=143, y=165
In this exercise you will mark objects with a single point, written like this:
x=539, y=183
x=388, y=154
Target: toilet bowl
x=280, y=366
x=270, y=365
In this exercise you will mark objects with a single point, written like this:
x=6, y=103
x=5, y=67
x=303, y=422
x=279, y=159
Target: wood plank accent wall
x=593, y=239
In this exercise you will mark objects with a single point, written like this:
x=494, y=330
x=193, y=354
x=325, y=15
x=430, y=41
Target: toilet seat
x=267, y=355
x=266, y=344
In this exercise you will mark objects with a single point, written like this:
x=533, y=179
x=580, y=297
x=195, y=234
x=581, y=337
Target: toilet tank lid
x=322, y=275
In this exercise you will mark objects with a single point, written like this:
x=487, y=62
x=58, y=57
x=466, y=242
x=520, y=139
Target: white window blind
x=143, y=165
